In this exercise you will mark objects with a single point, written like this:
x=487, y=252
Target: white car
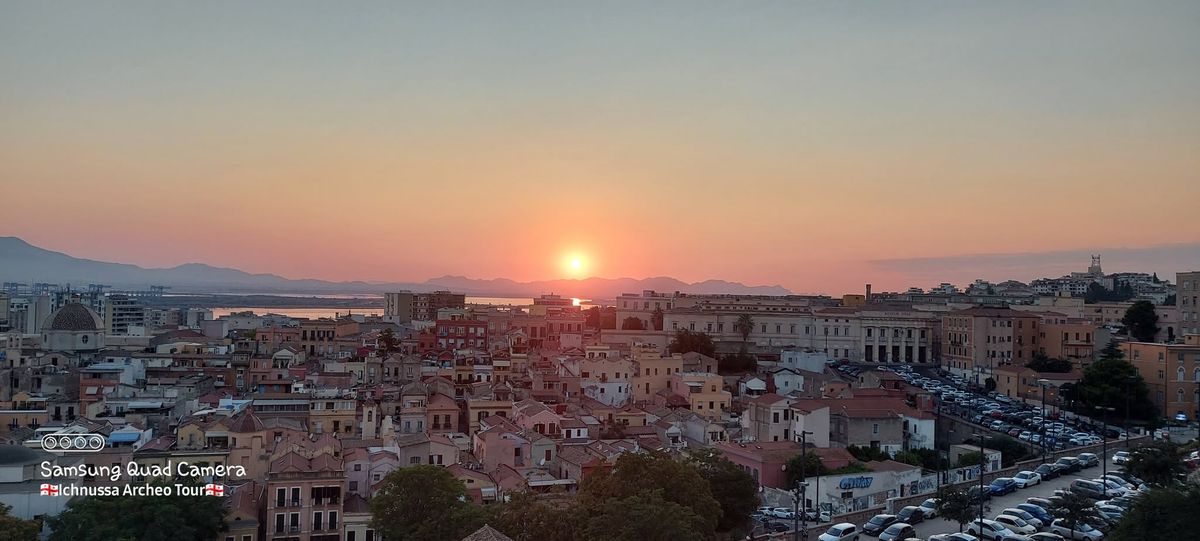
x=1016, y=524
x=1027, y=479
x=840, y=532
x=953, y=537
x=1082, y=531
x=1024, y=515
x=1121, y=457
x=989, y=530
x=929, y=507
x=782, y=512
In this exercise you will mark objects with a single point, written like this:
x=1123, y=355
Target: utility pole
x=800, y=518
x=1042, y=426
x=1104, y=446
x=982, y=463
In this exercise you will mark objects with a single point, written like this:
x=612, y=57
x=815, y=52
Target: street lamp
x=1129, y=381
x=1104, y=448
x=982, y=462
x=800, y=518
x=1042, y=425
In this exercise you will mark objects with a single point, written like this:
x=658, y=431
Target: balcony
x=332, y=500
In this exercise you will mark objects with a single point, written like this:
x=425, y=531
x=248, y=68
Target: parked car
x=878, y=523
x=1023, y=515
x=911, y=515
x=1110, y=513
x=974, y=494
x=782, y=512
x=1121, y=457
x=1113, y=488
x=1016, y=524
x=1044, y=503
x=1047, y=471
x=1037, y=511
x=776, y=527
x=1089, y=459
x=1027, y=479
x=929, y=507
x=953, y=537
x=1003, y=485
x=844, y=531
x=1088, y=488
x=898, y=531
x=989, y=530
x=1046, y=536
x=1069, y=464
x=1080, y=531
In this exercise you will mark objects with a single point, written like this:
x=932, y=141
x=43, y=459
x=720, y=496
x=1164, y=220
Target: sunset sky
x=811, y=145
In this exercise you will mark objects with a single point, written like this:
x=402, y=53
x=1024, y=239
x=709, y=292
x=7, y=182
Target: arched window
x=1179, y=374
x=1179, y=395
x=1196, y=375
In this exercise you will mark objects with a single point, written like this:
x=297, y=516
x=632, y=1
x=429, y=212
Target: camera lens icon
x=73, y=442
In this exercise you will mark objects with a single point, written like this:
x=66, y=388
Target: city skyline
x=814, y=147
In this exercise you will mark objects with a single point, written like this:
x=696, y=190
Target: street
x=996, y=504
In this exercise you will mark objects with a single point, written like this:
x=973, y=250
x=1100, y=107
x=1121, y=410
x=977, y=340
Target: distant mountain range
x=26, y=263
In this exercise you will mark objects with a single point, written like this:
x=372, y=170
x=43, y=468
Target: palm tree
x=744, y=325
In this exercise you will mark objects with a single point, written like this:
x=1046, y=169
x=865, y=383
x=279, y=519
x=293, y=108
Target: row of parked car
x=1030, y=521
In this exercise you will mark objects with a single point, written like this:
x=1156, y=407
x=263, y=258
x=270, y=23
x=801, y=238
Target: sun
x=575, y=265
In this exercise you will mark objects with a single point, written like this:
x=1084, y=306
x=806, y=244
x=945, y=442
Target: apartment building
x=1187, y=300
x=407, y=306
x=1172, y=374
x=304, y=491
x=977, y=340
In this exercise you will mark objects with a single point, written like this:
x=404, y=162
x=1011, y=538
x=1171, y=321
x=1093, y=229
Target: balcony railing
x=334, y=500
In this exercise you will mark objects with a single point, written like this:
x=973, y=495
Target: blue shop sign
x=849, y=483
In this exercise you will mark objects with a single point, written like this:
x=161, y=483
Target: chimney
x=868, y=293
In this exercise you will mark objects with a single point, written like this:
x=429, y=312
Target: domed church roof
x=73, y=317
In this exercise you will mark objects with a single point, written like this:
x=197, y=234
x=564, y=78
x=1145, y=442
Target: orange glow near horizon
x=575, y=265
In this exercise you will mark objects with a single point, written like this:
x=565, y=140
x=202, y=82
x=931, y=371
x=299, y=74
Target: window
x=875, y=428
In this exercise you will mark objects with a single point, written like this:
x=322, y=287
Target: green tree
x=1160, y=514
x=387, y=342
x=1074, y=509
x=423, y=503
x=632, y=324
x=641, y=474
x=973, y=458
x=928, y=459
x=524, y=518
x=734, y=489
x=1111, y=383
x=737, y=363
x=645, y=517
x=1112, y=350
x=744, y=326
x=1043, y=363
x=686, y=341
x=15, y=529
x=989, y=384
x=955, y=506
x=1158, y=463
x=1141, y=321
x=1011, y=450
x=656, y=318
x=144, y=518
x=866, y=453
x=813, y=467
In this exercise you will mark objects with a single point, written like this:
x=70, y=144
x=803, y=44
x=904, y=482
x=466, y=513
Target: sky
x=814, y=145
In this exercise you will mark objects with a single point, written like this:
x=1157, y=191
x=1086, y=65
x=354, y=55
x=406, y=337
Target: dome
x=73, y=317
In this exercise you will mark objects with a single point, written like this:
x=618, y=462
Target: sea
x=316, y=313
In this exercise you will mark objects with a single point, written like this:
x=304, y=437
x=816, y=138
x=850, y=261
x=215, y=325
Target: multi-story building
x=977, y=340
x=461, y=333
x=1187, y=300
x=900, y=335
x=304, y=491
x=1172, y=374
x=703, y=392
x=406, y=306
x=768, y=418
x=642, y=306
x=122, y=312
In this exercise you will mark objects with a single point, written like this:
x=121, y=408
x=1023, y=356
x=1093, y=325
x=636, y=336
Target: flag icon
x=49, y=490
x=212, y=489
